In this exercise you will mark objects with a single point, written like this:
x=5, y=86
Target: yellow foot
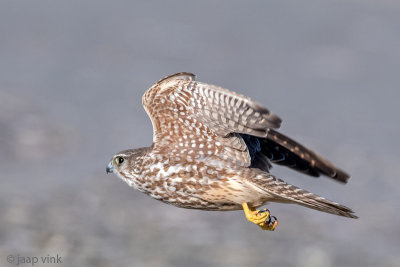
x=261, y=218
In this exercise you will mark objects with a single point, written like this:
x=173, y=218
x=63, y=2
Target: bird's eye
x=119, y=160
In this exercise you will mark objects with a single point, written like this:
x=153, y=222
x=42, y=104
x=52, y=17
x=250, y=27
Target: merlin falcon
x=213, y=149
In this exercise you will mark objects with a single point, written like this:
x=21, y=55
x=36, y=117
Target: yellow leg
x=259, y=217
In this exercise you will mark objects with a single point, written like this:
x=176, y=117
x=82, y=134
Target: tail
x=316, y=202
x=287, y=193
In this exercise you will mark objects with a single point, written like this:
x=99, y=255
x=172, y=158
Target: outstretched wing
x=180, y=107
x=203, y=119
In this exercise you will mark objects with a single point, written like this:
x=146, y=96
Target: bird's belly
x=197, y=185
x=236, y=190
x=191, y=195
x=203, y=192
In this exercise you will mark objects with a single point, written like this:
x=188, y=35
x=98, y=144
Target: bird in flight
x=212, y=150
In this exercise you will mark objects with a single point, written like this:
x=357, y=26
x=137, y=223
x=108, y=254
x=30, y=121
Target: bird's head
x=125, y=162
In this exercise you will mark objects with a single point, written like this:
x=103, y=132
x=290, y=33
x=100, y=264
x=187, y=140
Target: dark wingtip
x=341, y=176
x=350, y=213
x=353, y=216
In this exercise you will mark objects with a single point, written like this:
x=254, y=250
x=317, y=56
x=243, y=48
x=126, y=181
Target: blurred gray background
x=72, y=74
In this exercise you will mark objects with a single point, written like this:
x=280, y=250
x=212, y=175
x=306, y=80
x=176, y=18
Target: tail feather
x=284, y=192
x=322, y=204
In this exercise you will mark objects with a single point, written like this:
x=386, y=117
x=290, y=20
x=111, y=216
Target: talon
x=271, y=220
x=264, y=210
x=260, y=217
x=274, y=224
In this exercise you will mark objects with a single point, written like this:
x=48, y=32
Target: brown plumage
x=212, y=150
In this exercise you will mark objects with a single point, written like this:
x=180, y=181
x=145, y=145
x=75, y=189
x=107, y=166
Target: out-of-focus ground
x=72, y=74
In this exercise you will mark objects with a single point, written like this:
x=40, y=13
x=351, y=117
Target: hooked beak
x=110, y=168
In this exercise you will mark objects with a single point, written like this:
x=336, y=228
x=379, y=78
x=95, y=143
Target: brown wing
x=205, y=119
x=209, y=115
